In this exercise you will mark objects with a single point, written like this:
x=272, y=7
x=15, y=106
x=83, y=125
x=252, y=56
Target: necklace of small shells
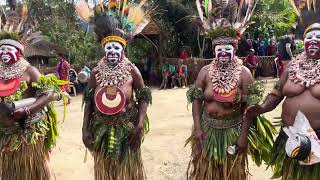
x=113, y=75
x=225, y=77
x=304, y=71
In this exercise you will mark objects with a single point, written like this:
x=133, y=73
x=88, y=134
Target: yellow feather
x=124, y=7
x=295, y=7
x=119, y=7
x=83, y=10
x=142, y=3
x=135, y=15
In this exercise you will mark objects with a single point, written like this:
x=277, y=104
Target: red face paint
x=312, y=49
x=224, y=56
x=10, y=57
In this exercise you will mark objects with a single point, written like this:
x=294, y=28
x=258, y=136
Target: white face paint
x=8, y=54
x=224, y=53
x=312, y=43
x=113, y=52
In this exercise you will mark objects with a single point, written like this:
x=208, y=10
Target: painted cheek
x=14, y=57
x=311, y=44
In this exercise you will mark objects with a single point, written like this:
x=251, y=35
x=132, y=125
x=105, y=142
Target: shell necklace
x=224, y=77
x=113, y=75
x=14, y=70
x=304, y=71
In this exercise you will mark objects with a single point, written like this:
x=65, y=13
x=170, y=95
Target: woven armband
x=144, y=95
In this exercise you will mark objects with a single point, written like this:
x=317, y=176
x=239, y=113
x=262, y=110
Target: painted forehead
x=114, y=43
x=7, y=46
x=223, y=46
x=312, y=33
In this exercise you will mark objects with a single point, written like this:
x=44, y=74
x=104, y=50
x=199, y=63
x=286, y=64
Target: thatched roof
x=44, y=49
x=151, y=29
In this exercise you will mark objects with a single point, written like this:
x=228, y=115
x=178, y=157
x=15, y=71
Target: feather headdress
x=224, y=19
x=14, y=29
x=114, y=20
x=308, y=11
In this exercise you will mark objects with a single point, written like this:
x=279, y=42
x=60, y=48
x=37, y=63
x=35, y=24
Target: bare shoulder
x=135, y=73
x=204, y=70
x=245, y=71
x=246, y=76
x=33, y=73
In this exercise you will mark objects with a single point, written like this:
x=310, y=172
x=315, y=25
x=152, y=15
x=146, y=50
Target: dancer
x=298, y=87
x=115, y=120
x=221, y=93
x=28, y=120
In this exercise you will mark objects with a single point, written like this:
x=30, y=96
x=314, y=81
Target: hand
x=19, y=114
x=87, y=139
x=242, y=143
x=200, y=137
x=136, y=137
x=252, y=111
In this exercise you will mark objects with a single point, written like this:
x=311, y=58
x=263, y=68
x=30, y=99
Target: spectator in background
x=184, y=54
x=261, y=46
x=182, y=74
x=243, y=47
x=285, y=50
x=63, y=69
x=83, y=78
x=168, y=74
x=272, y=48
x=251, y=62
x=146, y=68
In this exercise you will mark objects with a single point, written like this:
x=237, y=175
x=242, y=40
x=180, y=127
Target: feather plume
x=123, y=7
x=121, y=17
x=233, y=14
x=83, y=10
x=141, y=26
x=135, y=15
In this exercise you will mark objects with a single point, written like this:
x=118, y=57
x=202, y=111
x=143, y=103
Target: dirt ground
x=164, y=153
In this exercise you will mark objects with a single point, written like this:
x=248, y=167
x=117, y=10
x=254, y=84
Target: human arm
x=196, y=96
x=246, y=82
x=144, y=98
x=87, y=136
x=272, y=100
x=44, y=96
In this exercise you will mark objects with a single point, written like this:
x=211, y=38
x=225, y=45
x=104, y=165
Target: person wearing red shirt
x=184, y=55
x=251, y=62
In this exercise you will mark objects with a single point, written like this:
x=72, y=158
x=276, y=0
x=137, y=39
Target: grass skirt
x=129, y=167
x=213, y=162
x=26, y=163
x=113, y=157
x=288, y=168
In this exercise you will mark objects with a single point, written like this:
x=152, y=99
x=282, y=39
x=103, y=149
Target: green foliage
x=175, y=20
x=222, y=32
x=138, y=50
x=57, y=20
x=255, y=92
x=9, y=35
x=273, y=16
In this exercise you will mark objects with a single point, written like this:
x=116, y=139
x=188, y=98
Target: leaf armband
x=144, y=94
x=194, y=93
